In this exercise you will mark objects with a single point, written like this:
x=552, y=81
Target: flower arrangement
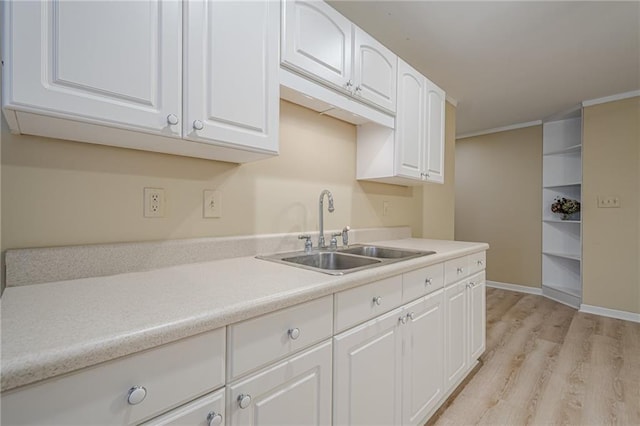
x=565, y=206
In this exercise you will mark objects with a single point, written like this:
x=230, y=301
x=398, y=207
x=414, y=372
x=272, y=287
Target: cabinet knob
x=460, y=270
x=358, y=90
x=377, y=300
x=172, y=119
x=428, y=281
x=348, y=85
x=411, y=315
x=214, y=419
x=198, y=125
x=472, y=284
x=403, y=319
x=244, y=401
x=480, y=263
x=294, y=333
x=136, y=395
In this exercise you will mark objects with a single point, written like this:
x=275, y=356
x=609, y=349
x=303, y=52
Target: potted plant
x=565, y=206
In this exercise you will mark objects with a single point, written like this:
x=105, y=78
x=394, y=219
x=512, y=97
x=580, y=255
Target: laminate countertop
x=54, y=328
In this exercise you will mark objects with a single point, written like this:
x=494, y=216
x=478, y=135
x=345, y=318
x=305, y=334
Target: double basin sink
x=345, y=260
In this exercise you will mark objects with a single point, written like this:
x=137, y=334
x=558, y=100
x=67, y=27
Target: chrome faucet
x=321, y=243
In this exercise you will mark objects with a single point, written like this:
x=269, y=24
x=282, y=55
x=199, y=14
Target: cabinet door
x=316, y=40
x=296, y=392
x=455, y=337
x=112, y=63
x=367, y=373
x=477, y=316
x=207, y=410
x=434, y=161
x=375, y=71
x=231, y=73
x=409, y=135
x=423, y=358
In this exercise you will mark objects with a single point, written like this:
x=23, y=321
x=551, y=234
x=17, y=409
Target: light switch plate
x=212, y=204
x=608, y=202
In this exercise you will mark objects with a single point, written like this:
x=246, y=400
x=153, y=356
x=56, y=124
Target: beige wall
x=438, y=201
x=611, y=237
x=498, y=191
x=62, y=193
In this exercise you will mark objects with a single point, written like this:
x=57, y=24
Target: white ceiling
x=510, y=62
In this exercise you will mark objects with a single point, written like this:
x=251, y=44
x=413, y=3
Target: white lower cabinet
x=455, y=337
x=422, y=358
x=125, y=391
x=389, y=371
x=208, y=410
x=476, y=302
x=296, y=392
x=367, y=372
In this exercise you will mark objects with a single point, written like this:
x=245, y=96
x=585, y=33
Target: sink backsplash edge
x=41, y=265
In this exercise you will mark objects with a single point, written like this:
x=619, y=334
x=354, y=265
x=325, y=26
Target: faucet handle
x=308, y=245
x=333, y=244
x=345, y=235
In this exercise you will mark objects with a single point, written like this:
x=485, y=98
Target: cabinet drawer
x=422, y=281
x=477, y=262
x=456, y=269
x=362, y=303
x=197, y=412
x=172, y=375
x=258, y=341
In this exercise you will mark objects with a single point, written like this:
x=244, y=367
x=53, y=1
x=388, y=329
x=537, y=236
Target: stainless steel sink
x=331, y=261
x=345, y=260
x=384, y=252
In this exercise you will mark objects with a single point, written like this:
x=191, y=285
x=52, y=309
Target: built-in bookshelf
x=562, y=239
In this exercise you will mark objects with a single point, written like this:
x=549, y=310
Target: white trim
x=500, y=129
x=611, y=313
x=515, y=287
x=452, y=101
x=611, y=98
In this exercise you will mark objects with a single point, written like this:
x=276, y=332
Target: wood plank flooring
x=548, y=364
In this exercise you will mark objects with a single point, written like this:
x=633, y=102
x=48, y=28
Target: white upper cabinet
x=321, y=44
x=374, y=71
x=316, y=40
x=413, y=152
x=231, y=88
x=112, y=73
x=435, y=143
x=117, y=63
x=410, y=138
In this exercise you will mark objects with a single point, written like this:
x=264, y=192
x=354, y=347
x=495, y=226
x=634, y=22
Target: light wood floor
x=546, y=363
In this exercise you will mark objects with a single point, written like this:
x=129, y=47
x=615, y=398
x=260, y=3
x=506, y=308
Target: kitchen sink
x=345, y=260
x=331, y=261
x=384, y=252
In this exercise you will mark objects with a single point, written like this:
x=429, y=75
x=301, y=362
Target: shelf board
x=561, y=221
x=560, y=185
x=567, y=150
x=569, y=256
x=575, y=292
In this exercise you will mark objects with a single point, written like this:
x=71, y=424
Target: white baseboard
x=612, y=313
x=515, y=287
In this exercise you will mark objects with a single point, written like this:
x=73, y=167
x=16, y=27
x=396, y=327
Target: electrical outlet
x=154, y=201
x=608, y=202
x=212, y=204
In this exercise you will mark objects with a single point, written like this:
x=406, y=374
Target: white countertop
x=54, y=328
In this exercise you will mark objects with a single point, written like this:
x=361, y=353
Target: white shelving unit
x=562, y=239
